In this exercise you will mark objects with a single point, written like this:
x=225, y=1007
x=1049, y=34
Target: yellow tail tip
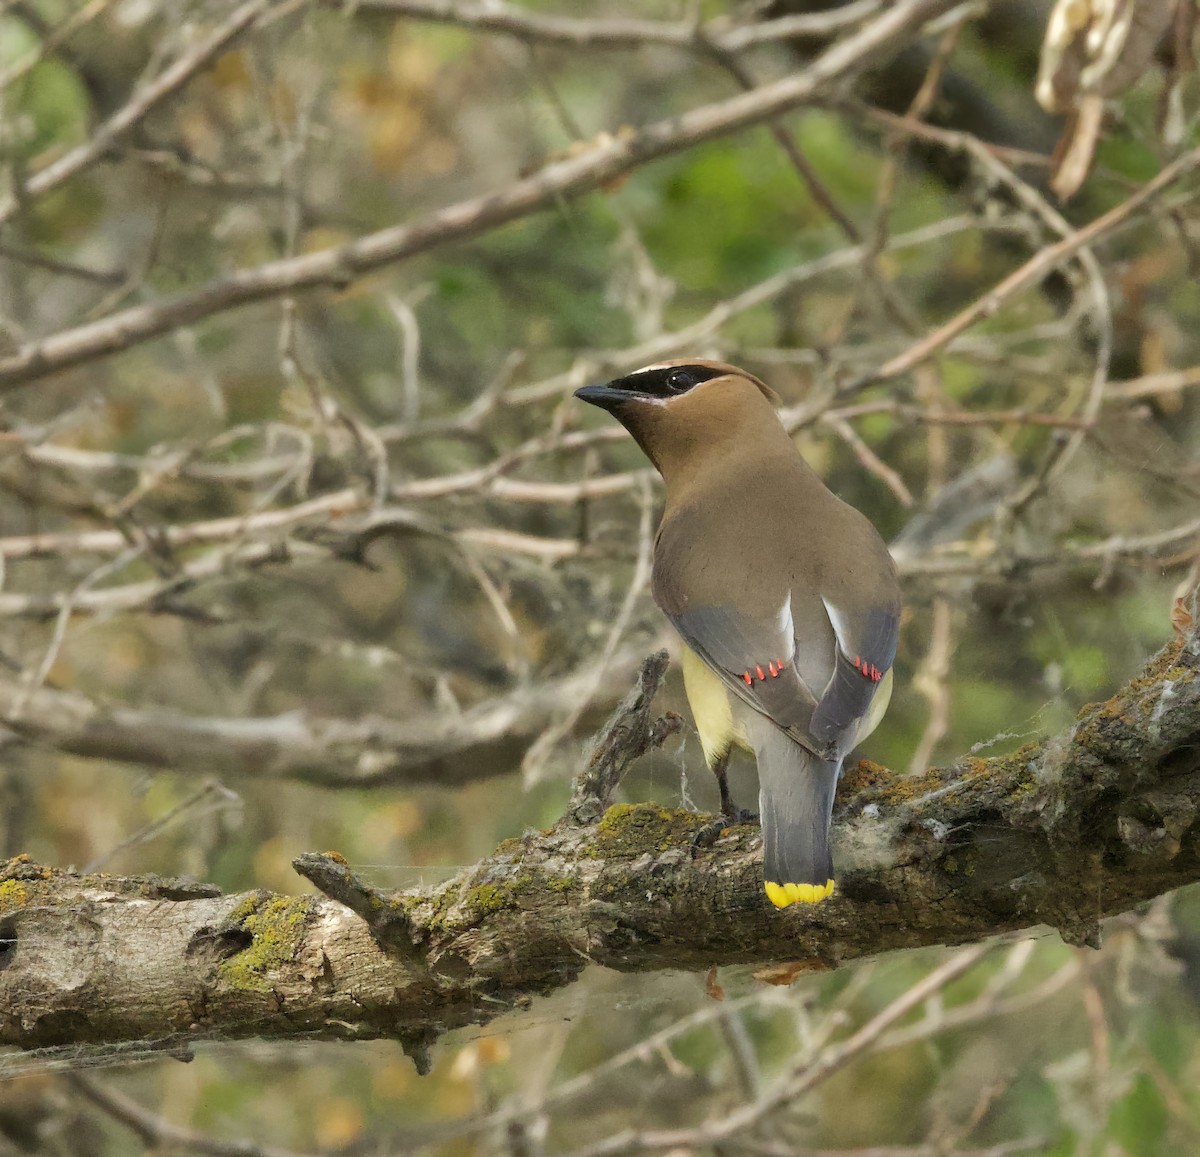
x=784, y=895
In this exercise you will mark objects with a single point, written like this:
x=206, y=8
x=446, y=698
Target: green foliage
x=50, y=105
x=1139, y=1120
x=742, y=199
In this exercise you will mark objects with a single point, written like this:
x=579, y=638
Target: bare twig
x=628, y=735
x=529, y=25
x=799, y=1081
x=1033, y=271
x=450, y=748
x=610, y=157
x=537, y=755
x=169, y=82
x=156, y=1132
x=1151, y=385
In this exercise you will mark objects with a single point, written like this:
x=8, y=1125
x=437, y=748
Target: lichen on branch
x=1063, y=832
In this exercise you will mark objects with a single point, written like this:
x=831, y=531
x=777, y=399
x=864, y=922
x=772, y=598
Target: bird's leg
x=721, y=771
x=730, y=813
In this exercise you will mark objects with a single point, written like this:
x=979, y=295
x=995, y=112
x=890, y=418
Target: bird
x=785, y=597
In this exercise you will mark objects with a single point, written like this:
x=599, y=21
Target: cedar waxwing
x=786, y=599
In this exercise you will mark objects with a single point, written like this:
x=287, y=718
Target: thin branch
x=868, y=459
x=528, y=25
x=448, y=749
x=609, y=157
x=53, y=39
x=539, y=752
x=103, y=137
x=939, y=417
x=702, y=331
x=932, y=680
x=156, y=1132
x=800, y=1080
x=329, y=507
x=1149, y=386
x=1032, y=272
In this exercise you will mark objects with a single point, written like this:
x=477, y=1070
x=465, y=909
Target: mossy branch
x=1063, y=833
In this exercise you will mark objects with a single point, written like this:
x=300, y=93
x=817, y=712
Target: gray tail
x=795, y=802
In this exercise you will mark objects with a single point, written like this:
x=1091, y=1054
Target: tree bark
x=1063, y=832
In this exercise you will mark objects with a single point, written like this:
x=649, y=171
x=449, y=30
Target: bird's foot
x=711, y=832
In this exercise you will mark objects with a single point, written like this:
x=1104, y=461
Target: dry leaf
x=784, y=974
x=1181, y=618
x=1097, y=46
x=1093, y=50
x=1186, y=607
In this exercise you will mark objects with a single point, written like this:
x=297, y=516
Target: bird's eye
x=680, y=380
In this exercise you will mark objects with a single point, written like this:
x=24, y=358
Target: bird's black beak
x=606, y=397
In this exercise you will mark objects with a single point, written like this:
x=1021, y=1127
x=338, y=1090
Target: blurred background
x=350, y=569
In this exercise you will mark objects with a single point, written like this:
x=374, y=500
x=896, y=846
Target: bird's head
x=679, y=408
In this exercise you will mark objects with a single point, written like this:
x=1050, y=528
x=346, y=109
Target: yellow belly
x=711, y=707
x=876, y=712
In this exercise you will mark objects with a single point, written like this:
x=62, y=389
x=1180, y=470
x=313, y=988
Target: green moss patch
x=13, y=895
x=21, y=882
x=628, y=831
x=276, y=925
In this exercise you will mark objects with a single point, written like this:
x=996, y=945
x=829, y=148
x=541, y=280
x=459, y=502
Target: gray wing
x=865, y=653
x=756, y=659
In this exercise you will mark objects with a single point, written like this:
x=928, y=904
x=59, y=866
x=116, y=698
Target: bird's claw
x=711, y=832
